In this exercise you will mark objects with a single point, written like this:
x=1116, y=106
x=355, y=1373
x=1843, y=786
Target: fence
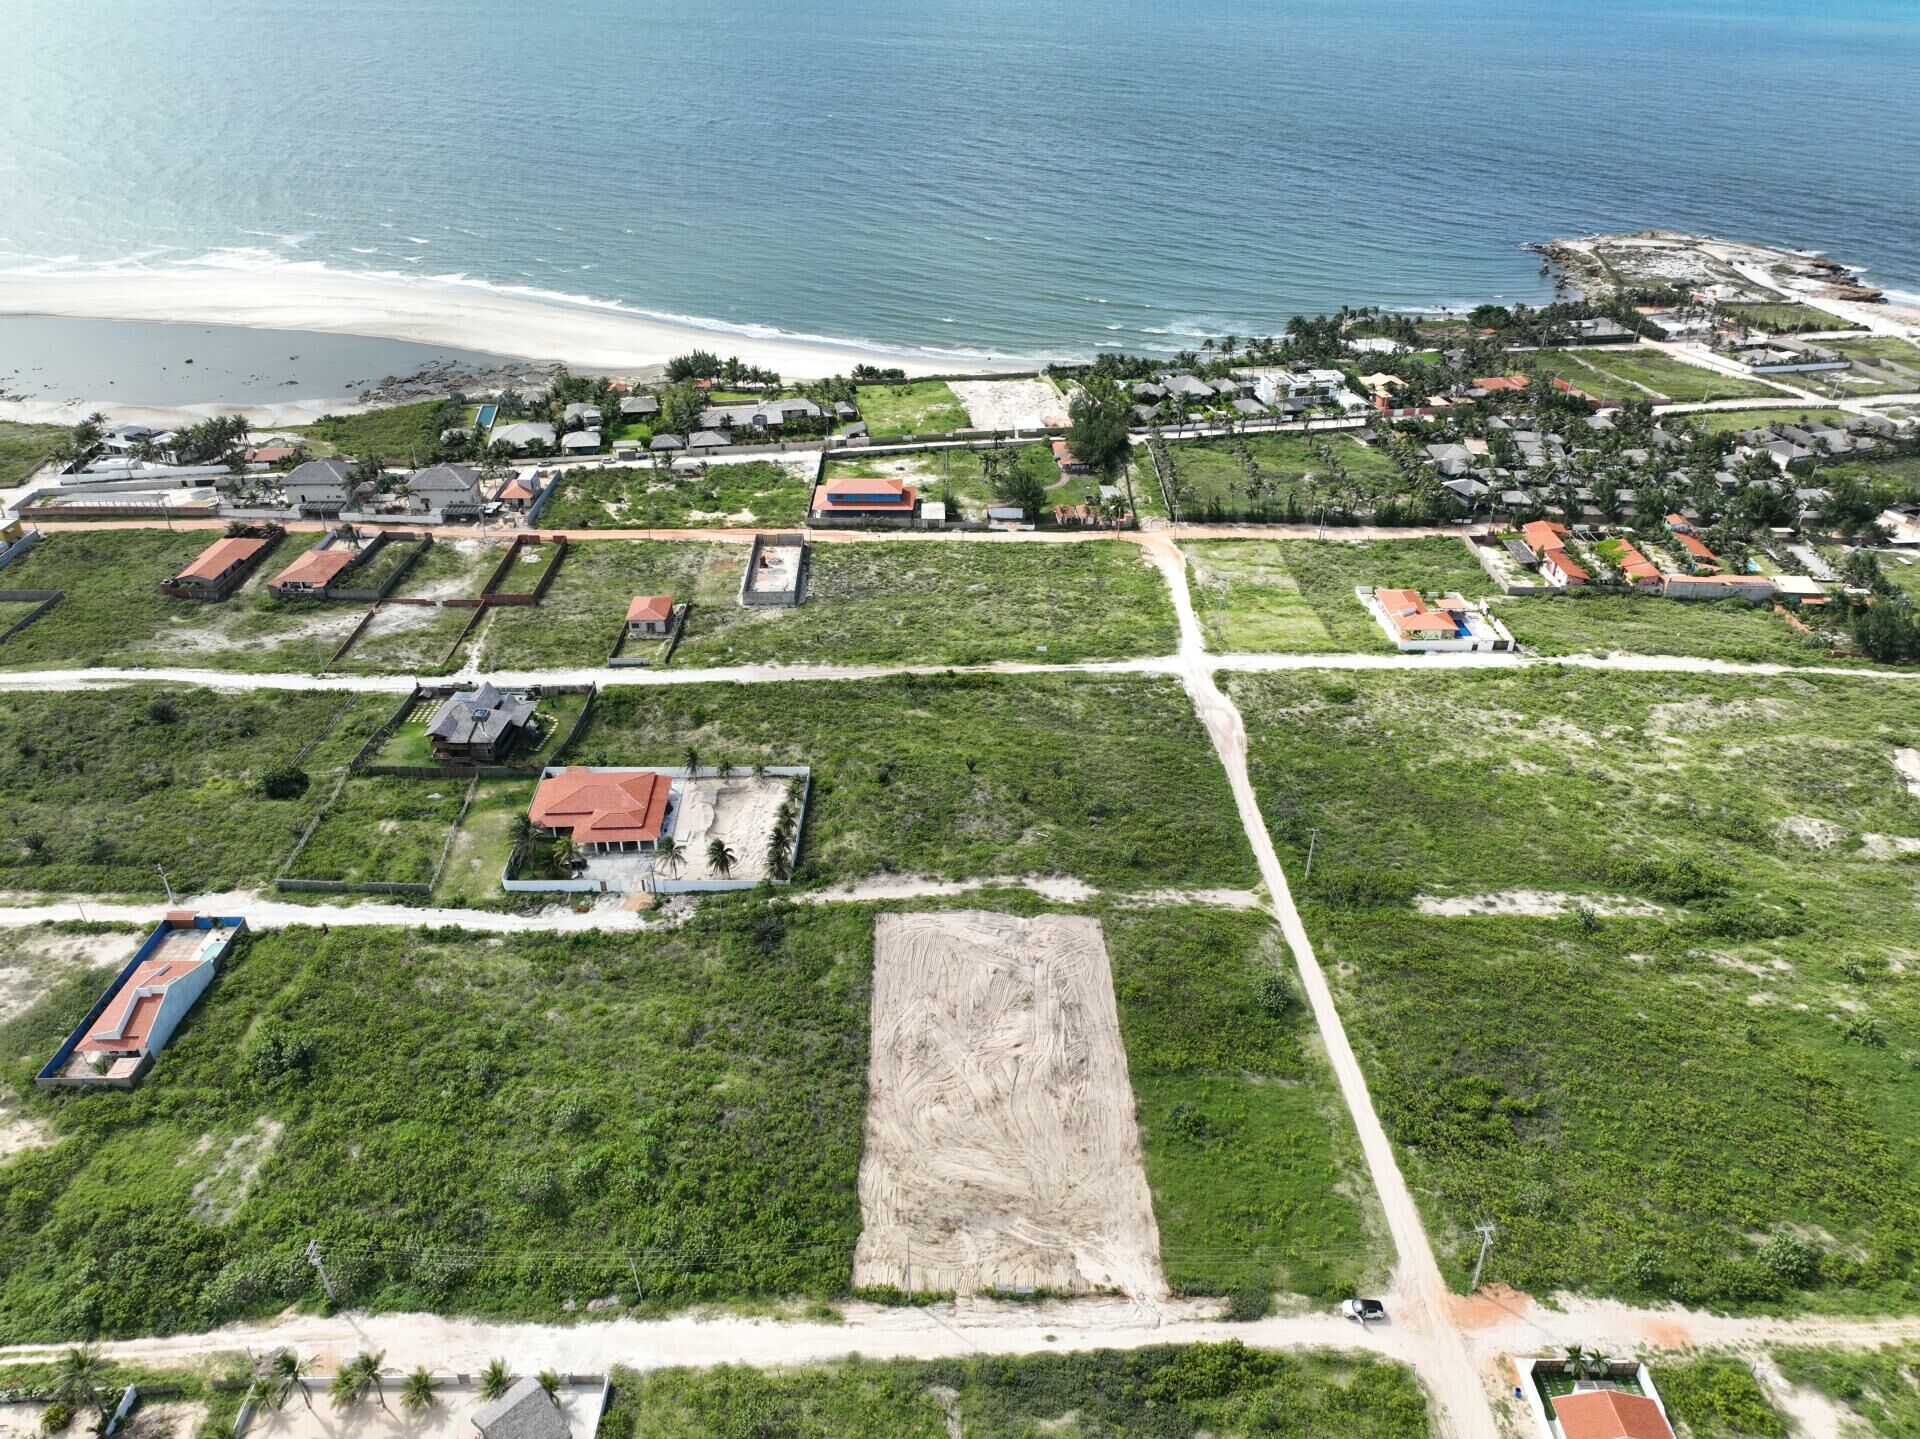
x=676, y=626
x=753, y=597
x=361, y=763
x=46, y=600
x=381, y=541
x=19, y=547
x=491, y=593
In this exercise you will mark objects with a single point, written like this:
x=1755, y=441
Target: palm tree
x=1576, y=1360
x=358, y=1375
x=496, y=1379
x=416, y=1394
x=550, y=1381
x=670, y=855
x=288, y=1371
x=520, y=831
x=719, y=858
x=560, y=858
x=81, y=1374
x=693, y=761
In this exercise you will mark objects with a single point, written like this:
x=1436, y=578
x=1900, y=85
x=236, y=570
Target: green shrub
x=57, y=1417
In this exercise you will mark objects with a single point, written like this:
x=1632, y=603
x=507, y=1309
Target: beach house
x=449, y=491
x=220, y=569
x=1449, y=623
x=649, y=616
x=604, y=811
x=880, y=500
x=480, y=725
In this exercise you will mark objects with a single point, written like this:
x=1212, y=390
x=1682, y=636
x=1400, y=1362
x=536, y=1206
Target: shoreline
x=465, y=316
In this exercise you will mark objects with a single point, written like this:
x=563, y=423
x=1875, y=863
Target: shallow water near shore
x=1004, y=177
x=44, y=359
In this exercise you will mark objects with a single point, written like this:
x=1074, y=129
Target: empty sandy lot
x=1010, y=404
x=1000, y=1139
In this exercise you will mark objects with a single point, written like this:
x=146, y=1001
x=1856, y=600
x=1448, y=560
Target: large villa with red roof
x=604, y=811
x=219, y=569
x=877, y=501
x=1450, y=622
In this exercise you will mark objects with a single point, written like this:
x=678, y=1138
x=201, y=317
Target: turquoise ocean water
x=997, y=176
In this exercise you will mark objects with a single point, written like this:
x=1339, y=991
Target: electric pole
x=320, y=1267
x=909, y=1272
x=1313, y=839
x=164, y=880
x=1486, y=1243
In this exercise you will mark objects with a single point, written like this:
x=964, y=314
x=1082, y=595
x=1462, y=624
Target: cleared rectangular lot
x=1001, y=1148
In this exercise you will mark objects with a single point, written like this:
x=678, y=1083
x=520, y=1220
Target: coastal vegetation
x=1225, y=1391
x=1651, y=1016
x=911, y=407
x=393, y=434
x=1288, y=476
x=967, y=481
x=1572, y=623
x=756, y=492
x=963, y=776
x=1873, y=1386
x=23, y=447
x=101, y=785
x=1255, y=1172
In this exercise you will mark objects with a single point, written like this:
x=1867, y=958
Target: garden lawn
x=1572, y=623
x=957, y=604
x=756, y=492
x=102, y=785
x=1201, y=1391
x=1251, y=1159
x=1630, y=373
x=466, y=1124
x=1711, y=1100
x=1784, y=318
x=1294, y=475
x=382, y=830
x=1873, y=1386
x=915, y=407
x=23, y=447
x=1296, y=596
x=1107, y=778
x=1721, y=422
x=483, y=844
x=113, y=612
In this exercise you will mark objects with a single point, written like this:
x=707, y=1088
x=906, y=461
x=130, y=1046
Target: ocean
x=969, y=178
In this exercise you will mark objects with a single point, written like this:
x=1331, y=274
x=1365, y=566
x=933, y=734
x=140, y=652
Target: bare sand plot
x=1011, y=404
x=1000, y=1138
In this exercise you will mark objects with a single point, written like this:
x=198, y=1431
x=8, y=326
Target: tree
x=353, y=1379
x=1013, y=484
x=496, y=1379
x=1098, y=418
x=416, y=1393
x=288, y=1371
x=693, y=761
x=550, y=1382
x=561, y=857
x=81, y=1375
x=670, y=855
x=520, y=831
x=720, y=859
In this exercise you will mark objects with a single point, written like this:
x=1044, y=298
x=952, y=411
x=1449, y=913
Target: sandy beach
x=468, y=317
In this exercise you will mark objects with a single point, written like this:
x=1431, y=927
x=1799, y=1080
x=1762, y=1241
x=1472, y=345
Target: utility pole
x=1313, y=839
x=168, y=883
x=909, y=1272
x=1486, y=1243
x=320, y=1266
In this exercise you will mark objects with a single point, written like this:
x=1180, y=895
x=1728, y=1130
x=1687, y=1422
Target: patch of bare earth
x=1907, y=761
x=1001, y=1149
x=218, y=1195
x=1535, y=902
x=1010, y=404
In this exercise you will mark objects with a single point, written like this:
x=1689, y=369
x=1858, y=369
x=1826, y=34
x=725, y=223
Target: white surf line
x=1424, y=1301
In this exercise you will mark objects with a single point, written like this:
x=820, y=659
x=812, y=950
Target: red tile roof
x=1501, y=382
x=1412, y=617
x=650, y=607
x=1063, y=454
x=515, y=489
x=1610, y=1414
x=219, y=557
x=1565, y=563
x=267, y=454
x=1636, y=566
x=316, y=567
x=127, y=1020
x=886, y=496
x=1544, y=535
x=1699, y=551
x=602, y=807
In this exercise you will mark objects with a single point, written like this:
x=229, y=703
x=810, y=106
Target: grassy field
x=381, y=830
x=22, y=447
x=1107, y=778
x=1202, y=1391
x=577, y=622
x=1718, y=1398
x=1782, y=319
x=940, y=604
x=103, y=785
x=482, y=846
x=1873, y=1386
x=396, y=435
x=917, y=407
x=757, y=492
x=959, y=472
x=114, y=613
x=1252, y=1162
x=1712, y=1095
x=1296, y=596
x=1215, y=480
x=414, y=639
x=1632, y=373
x=1574, y=624
x=418, y=1102
x=1721, y=422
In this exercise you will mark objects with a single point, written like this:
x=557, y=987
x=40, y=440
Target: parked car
x=1366, y=1311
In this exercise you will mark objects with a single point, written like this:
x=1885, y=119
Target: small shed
x=649, y=616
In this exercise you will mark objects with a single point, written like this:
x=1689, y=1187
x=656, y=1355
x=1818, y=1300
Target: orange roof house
x=867, y=497
x=217, y=570
x=1414, y=620
x=603, y=809
x=1548, y=542
x=649, y=607
x=1610, y=1414
x=1700, y=553
x=1494, y=384
x=1637, y=567
x=314, y=570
